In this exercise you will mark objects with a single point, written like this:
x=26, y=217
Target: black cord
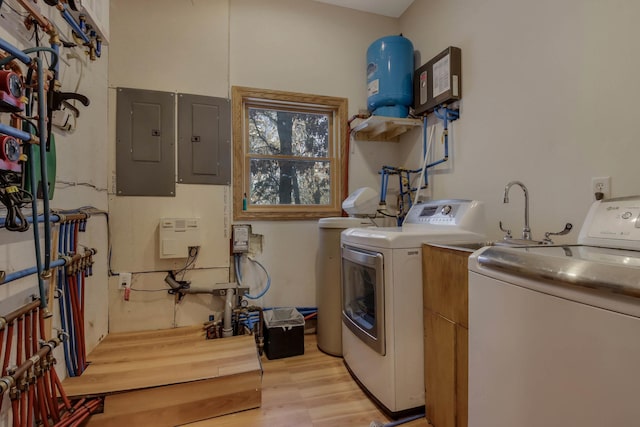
x=14, y=199
x=381, y=212
x=193, y=255
x=28, y=121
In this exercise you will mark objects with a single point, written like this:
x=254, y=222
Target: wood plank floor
x=313, y=390
x=140, y=360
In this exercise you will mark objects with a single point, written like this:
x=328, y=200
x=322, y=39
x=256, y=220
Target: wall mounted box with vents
x=177, y=235
x=438, y=82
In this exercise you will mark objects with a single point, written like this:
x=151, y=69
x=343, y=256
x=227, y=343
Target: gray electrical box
x=438, y=82
x=145, y=147
x=204, y=140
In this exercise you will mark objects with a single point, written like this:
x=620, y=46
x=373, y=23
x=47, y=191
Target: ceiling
x=392, y=8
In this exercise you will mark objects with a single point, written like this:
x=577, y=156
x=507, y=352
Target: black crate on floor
x=283, y=333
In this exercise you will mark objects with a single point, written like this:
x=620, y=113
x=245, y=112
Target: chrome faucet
x=526, y=231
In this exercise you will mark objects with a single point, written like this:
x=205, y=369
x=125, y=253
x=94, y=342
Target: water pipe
x=383, y=185
x=53, y=218
x=227, y=327
x=446, y=115
x=423, y=169
x=36, y=232
x=54, y=56
x=55, y=68
x=267, y=286
x=72, y=22
x=42, y=115
x=99, y=52
x=14, y=52
x=8, y=381
x=27, y=308
x=16, y=133
x=29, y=271
x=37, y=17
x=34, y=211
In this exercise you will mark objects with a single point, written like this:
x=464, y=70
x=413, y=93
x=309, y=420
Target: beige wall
x=204, y=47
x=547, y=99
x=176, y=47
x=549, y=92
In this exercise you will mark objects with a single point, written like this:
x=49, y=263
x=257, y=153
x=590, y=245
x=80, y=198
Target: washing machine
x=382, y=320
x=554, y=330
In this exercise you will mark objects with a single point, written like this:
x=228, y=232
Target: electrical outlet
x=125, y=280
x=601, y=185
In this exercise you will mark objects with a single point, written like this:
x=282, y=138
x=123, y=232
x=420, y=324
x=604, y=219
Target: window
x=286, y=154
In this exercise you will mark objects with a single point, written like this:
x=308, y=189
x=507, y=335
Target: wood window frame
x=244, y=97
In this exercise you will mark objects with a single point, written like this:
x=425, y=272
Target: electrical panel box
x=241, y=233
x=177, y=235
x=438, y=82
x=204, y=140
x=145, y=143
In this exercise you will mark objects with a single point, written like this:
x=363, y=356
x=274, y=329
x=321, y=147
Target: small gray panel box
x=204, y=140
x=145, y=143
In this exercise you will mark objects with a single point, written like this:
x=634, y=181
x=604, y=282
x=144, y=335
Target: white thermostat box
x=177, y=235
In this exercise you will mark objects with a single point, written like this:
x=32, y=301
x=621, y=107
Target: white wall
x=309, y=47
x=549, y=92
x=547, y=99
x=177, y=47
x=204, y=47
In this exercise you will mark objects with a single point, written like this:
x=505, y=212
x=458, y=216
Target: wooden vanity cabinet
x=446, y=335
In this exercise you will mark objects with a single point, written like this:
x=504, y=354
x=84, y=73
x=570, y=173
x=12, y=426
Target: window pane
x=288, y=133
x=289, y=182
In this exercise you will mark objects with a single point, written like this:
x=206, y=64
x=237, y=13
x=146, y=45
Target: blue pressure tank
x=390, y=76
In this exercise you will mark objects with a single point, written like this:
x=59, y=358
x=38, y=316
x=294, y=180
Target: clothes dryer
x=382, y=321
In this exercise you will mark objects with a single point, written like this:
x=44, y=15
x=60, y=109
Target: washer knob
x=446, y=210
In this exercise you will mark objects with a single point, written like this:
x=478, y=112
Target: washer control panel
x=613, y=223
x=441, y=212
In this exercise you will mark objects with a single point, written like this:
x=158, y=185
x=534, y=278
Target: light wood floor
x=312, y=390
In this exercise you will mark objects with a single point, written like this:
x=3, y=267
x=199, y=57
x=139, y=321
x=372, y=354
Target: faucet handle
x=567, y=228
x=508, y=232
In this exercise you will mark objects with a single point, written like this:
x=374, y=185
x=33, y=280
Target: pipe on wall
x=227, y=327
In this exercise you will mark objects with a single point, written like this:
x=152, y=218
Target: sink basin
x=474, y=246
x=471, y=247
x=468, y=247
x=517, y=242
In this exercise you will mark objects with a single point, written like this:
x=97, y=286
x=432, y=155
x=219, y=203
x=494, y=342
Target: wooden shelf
x=379, y=128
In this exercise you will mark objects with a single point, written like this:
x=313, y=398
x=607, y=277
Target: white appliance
x=554, y=331
x=382, y=332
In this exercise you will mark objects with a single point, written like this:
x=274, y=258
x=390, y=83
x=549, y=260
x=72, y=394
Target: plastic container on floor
x=283, y=333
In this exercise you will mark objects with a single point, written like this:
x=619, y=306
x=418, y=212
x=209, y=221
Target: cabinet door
x=440, y=370
x=462, y=376
x=445, y=281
